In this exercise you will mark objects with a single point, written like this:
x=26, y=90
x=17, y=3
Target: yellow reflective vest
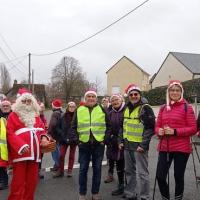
x=91, y=122
x=3, y=140
x=132, y=126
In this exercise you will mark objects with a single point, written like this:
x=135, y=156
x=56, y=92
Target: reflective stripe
x=134, y=133
x=98, y=124
x=3, y=141
x=84, y=125
x=84, y=133
x=98, y=132
x=135, y=125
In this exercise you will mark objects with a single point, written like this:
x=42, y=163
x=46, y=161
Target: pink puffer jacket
x=181, y=117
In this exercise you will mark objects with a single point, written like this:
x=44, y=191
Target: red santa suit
x=25, y=166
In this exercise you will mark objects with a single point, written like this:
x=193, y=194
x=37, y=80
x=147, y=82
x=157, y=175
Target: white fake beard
x=26, y=114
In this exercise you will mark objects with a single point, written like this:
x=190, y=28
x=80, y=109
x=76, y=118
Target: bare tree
x=97, y=85
x=5, y=78
x=68, y=79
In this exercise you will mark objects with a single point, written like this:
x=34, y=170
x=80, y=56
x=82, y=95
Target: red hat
x=90, y=91
x=5, y=102
x=23, y=91
x=130, y=88
x=172, y=83
x=56, y=103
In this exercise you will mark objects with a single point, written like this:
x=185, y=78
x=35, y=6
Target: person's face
x=90, y=100
x=6, y=108
x=26, y=101
x=175, y=93
x=71, y=108
x=105, y=102
x=134, y=97
x=116, y=102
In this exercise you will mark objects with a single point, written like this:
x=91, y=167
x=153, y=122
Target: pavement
x=67, y=188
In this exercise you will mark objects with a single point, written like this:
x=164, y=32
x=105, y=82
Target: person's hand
x=140, y=149
x=25, y=150
x=198, y=134
x=168, y=131
x=44, y=142
x=121, y=146
x=161, y=132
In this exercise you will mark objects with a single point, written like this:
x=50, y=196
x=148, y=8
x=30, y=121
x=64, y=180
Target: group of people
x=125, y=128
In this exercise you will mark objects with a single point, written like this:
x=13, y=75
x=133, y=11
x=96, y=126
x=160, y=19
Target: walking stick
x=168, y=164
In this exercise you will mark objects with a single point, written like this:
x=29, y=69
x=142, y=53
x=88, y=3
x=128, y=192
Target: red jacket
x=181, y=117
x=19, y=136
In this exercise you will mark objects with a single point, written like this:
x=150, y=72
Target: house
x=124, y=72
x=39, y=91
x=179, y=66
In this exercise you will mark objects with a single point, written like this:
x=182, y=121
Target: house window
x=115, y=90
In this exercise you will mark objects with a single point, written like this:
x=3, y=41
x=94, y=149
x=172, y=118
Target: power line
x=95, y=34
x=11, y=60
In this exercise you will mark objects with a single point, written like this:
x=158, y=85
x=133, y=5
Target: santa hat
x=90, y=91
x=130, y=88
x=22, y=92
x=5, y=102
x=172, y=83
x=56, y=103
x=71, y=103
x=116, y=95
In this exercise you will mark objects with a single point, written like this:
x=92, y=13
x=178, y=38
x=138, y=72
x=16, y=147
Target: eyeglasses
x=134, y=94
x=175, y=90
x=5, y=106
x=26, y=101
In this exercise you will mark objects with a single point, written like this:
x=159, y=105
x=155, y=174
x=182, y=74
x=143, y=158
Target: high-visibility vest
x=132, y=126
x=91, y=122
x=3, y=140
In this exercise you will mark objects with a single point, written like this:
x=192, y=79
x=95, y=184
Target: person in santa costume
x=25, y=135
x=5, y=110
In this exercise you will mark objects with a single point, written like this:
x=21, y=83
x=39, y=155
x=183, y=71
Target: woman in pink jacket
x=175, y=125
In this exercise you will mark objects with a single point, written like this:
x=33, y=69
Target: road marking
x=75, y=166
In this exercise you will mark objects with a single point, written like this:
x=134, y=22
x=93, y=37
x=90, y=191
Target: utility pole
x=29, y=71
x=33, y=81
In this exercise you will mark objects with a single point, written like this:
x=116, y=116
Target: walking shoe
x=96, y=197
x=58, y=174
x=69, y=174
x=118, y=191
x=40, y=174
x=82, y=197
x=54, y=169
x=109, y=179
x=198, y=179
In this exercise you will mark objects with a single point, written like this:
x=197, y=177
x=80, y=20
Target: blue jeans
x=55, y=155
x=87, y=153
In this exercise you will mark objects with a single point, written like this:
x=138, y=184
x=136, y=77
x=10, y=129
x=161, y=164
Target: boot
x=119, y=190
x=96, y=197
x=82, y=197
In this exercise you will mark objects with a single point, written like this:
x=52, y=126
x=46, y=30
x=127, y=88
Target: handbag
x=51, y=146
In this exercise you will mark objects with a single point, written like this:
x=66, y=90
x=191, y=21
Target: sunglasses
x=134, y=94
x=26, y=101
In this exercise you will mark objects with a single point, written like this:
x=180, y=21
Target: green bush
x=157, y=96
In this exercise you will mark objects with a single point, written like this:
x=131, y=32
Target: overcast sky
x=146, y=36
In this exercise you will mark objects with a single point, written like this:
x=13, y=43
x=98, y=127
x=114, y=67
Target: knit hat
x=56, y=103
x=172, y=83
x=116, y=95
x=90, y=91
x=5, y=102
x=130, y=88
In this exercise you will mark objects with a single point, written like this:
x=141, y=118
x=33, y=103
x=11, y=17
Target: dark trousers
x=3, y=176
x=87, y=153
x=119, y=167
x=164, y=162
x=63, y=150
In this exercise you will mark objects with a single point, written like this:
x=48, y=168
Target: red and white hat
x=130, y=88
x=90, y=91
x=56, y=103
x=172, y=83
x=116, y=95
x=5, y=102
x=22, y=92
